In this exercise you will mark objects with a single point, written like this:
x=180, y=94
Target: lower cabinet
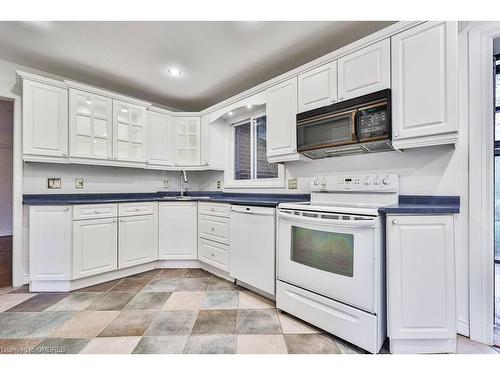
x=95, y=246
x=178, y=231
x=137, y=240
x=50, y=243
x=421, y=284
x=214, y=253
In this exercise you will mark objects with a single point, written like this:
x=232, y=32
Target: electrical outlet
x=218, y=184
x=79, y=183
x=292, y=183
x=165, y=184
x=53, y=183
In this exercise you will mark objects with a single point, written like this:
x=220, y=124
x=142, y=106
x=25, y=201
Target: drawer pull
x=212, y=229
x=212, y=209
x=137, y=209
x=395, y=222
x=96, y=212
x=213, y=255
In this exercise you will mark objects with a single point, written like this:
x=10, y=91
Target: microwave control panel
x=373, y=182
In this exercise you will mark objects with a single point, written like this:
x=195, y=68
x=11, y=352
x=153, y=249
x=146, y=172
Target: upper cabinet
x=317, y=87
x=160, y=130
x=424, y=85
x=187, y=141
x=213, y=143
x=90, y=125
x=45, y=121
x=281, y=111
x=129, y=132
x=365, y=71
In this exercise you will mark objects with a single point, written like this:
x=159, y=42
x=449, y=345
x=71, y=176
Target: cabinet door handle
x=212, y=229
x=66, y=208
x=395, y=222
x=396, y=134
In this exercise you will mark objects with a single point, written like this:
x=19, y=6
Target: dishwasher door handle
x=264, y=211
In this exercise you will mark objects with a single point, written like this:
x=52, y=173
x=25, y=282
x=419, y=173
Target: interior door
x=332, y=257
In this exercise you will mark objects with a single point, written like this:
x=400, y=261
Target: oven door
x=327, y=130
x=330, y=254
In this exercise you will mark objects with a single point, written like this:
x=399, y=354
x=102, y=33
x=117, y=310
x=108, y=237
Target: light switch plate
x=292, y=183
x=79, y=183
x=53, y=183
x=165, y=184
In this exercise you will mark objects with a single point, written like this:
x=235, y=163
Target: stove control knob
x=323, y=182
x=367, y=181
x=386, y=180
x=316, y=182
x=376, y=180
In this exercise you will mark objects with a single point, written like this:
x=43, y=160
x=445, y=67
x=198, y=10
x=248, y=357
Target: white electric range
x=331, y=256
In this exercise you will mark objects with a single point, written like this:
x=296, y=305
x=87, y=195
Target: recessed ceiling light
x=249, y=106
x=174, y=71
x=230, y=113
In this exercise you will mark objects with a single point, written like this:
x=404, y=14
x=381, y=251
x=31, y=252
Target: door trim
x=481, y=178
x=17, y=189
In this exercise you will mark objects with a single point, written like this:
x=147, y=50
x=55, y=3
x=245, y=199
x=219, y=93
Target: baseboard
x=463, y=327
x=177, y=264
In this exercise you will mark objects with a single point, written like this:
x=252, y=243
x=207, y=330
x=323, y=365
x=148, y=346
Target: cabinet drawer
x=94, y=211
x=214, y=228
x=213, y=253
x=136, y=208
x=214, y=209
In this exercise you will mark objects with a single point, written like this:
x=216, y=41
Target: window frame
x=253, y=182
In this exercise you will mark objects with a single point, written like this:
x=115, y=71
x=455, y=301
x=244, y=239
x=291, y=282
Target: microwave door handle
x=347, y=223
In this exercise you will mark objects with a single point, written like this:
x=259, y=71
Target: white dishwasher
x=252, y=246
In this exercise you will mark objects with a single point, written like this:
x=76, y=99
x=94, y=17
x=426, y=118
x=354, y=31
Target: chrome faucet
x=184, y=180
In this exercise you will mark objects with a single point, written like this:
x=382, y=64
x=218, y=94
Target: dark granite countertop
x=424, y=204
x=268, y=200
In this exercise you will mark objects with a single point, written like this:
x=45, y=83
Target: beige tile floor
x=162, y=311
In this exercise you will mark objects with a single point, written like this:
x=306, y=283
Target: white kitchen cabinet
x=178, y=230
x=317, y=87
x=95, y=246
x=45, y=121
x=187, y=141
x=90, y=125
x=364, y=71
x=281, y=111
x=50, y=243
x=424, y=85
x=129, y=132
x=421, y=284
x=160, y=130
x=214, y=254
x=137, y=241
x=213, y=143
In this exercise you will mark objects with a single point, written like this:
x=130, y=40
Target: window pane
x=242, y=152
x=326, y=251
x=264, y=169
x=497, y=104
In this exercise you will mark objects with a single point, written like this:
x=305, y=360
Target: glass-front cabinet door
x=129, y=132
x=90, y=125
x=187, y=141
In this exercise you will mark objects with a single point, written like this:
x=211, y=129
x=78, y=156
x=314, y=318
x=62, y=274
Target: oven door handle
x=347, y=223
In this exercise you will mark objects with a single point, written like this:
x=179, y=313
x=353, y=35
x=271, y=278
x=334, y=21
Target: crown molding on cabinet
x=39, y=79
x=106, y=93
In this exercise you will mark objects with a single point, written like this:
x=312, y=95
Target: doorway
x=6, y=197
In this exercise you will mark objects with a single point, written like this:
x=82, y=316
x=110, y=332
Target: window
x=250, y=167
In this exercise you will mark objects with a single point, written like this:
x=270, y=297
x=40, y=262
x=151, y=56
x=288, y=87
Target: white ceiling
x=217, y=59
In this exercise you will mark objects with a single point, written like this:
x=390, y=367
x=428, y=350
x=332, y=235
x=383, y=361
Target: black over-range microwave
x=354, y=126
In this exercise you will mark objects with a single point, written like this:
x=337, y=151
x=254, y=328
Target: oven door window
x=326, y=251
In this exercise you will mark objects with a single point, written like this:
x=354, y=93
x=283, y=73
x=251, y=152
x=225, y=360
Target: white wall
x=99, y=179
x=6, y=122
